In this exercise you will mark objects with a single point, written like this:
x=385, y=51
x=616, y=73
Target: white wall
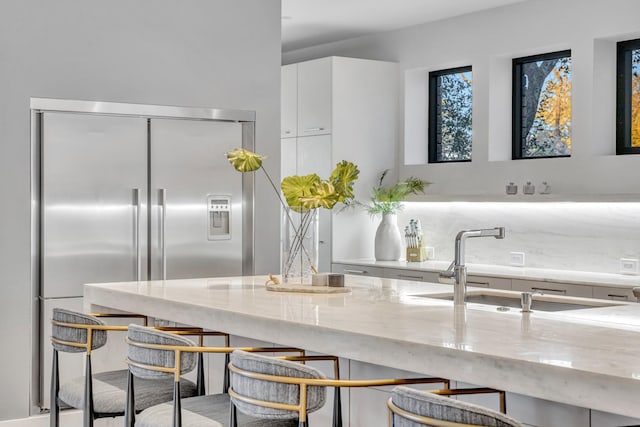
x=488, y=41
x=214, y=53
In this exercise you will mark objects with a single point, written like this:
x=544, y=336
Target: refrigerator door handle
x=162, y=203
x=136, y=204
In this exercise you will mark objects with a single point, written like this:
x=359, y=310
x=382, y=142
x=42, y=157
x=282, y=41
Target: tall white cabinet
x=336, y=109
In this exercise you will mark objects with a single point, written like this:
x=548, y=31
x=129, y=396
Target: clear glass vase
x=299, y=246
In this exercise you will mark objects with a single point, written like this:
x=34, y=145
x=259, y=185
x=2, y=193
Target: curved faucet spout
x=497, y=232
x=457, y=269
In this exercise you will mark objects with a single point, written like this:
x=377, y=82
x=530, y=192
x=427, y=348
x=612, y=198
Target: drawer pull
x=349, y=271
x=556, y=291
x=406, y=276
x=313, y=129
x=616, y=296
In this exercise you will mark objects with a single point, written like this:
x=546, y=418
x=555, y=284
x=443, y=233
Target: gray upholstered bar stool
x=278, y=389
x=409, y=407
x=275, y=400
x=103, y=394
x=158, y=355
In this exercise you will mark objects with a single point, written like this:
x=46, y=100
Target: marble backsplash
x=583, y=236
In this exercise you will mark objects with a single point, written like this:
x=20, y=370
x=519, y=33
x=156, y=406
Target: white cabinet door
x=544, y=413
x=314, y=97
x=289, y=101
x=314, y=156
x=605, y=419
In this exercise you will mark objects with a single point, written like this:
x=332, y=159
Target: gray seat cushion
x=155, y=357
x=445, y=409
x=203, y=411
x=273, y=391
x=110, y=390
x=79, y=335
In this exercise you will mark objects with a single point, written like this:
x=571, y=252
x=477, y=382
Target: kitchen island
x=585, y=358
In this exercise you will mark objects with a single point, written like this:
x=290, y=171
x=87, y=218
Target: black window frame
x=623, y=97
x=434, y=101
x=516, y=102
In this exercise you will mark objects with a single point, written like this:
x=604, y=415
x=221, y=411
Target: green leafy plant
x=302, y=194
x=388, y=200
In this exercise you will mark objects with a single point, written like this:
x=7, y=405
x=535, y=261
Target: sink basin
x=506, y=300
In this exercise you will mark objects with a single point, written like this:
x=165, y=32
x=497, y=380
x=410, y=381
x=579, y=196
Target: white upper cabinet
x=289, y=101
x=346, y=110
x=314, y=97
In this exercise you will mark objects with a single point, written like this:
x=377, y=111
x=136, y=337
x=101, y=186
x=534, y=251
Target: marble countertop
x=526, y=273
x=586, y=358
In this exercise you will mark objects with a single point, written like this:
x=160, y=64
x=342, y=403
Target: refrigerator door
x=196, y=199
x=93, y=194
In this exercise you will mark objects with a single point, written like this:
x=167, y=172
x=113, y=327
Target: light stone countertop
x=588, y=358
x=540, y=274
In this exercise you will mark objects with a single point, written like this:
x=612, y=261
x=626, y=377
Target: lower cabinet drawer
x=359, y=270
x=488, y=282
x=422, y=276
x=552, y=288
x=616, y=294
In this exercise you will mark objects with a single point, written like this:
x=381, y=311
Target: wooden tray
x=288, y=287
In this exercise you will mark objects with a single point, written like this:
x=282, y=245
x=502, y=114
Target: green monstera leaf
x=297, y=187
x=302, y=193
x=244, y=160
x=323, y=195
x=343, y=177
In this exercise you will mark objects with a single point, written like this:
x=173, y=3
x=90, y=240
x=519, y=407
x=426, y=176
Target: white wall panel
x=218, y=53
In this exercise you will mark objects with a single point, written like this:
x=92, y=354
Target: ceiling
x=311, y=22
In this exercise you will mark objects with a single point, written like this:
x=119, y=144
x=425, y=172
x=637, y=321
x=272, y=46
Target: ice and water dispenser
x=219, y=224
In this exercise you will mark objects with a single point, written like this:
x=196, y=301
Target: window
x=628, y=98
x=542, y=106
x=450, y=115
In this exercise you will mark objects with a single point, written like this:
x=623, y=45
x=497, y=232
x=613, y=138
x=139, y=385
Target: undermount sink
x=506, y=300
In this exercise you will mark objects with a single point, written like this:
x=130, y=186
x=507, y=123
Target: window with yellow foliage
x=542, y=106
x=628, y=98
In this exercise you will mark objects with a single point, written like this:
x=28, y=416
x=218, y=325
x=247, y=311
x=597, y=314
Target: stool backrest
x=265, y=395
x=150, y=363
x=413, y=408
x=69, y=336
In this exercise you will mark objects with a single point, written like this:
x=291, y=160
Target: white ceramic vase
x=388, y=243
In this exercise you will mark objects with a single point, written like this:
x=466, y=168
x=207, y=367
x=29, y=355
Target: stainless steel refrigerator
x=132, y=192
